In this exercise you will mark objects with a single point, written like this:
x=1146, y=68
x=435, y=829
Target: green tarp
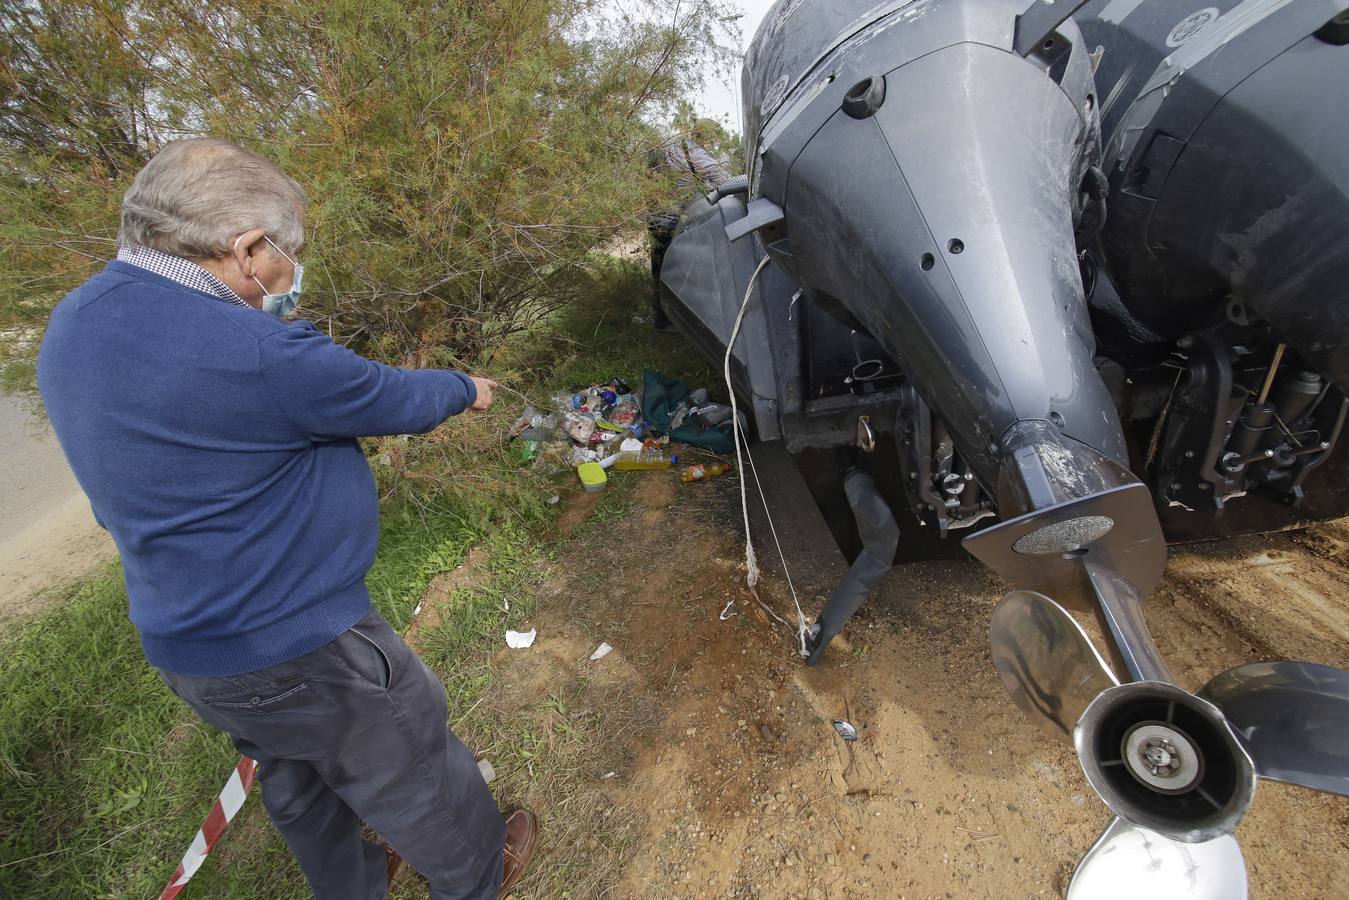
x=661, y=395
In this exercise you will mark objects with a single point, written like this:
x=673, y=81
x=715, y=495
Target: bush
x=463, y=158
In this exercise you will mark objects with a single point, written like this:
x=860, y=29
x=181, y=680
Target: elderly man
x=217, y=443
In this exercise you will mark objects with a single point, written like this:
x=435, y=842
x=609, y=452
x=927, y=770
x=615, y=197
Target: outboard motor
x=927, y=176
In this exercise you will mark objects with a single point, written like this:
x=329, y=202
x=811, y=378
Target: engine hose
x=880, y=537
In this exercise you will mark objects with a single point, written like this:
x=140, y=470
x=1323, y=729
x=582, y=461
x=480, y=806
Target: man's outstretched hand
x=484, y=398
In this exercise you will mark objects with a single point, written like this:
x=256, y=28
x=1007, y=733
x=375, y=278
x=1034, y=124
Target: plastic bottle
x=703, y=471
x=645, y=460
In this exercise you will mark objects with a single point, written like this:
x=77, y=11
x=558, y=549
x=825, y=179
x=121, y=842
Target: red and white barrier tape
x=226, y=807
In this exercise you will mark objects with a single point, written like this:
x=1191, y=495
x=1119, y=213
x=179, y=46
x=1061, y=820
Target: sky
x=721, y=99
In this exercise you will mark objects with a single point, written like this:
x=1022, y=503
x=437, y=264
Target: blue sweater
x=217, y=444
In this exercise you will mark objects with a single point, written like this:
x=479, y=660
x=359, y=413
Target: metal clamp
x=866, y=438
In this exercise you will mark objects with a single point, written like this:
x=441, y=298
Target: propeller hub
x=1162, y=757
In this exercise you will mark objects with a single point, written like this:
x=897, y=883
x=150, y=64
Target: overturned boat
x=1068, y=280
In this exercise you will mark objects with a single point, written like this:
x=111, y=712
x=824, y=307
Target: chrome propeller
x=1293, y=718
x=1130, y=862
x=1046, y=661
x=1177, y=768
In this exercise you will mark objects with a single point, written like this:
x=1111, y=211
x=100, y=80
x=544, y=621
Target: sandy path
x=47, y=531
x=733, y=784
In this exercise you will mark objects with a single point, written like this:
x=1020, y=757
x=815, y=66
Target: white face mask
x=281, y=305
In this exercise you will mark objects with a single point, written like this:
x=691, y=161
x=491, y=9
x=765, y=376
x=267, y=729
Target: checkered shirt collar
x=183, y=271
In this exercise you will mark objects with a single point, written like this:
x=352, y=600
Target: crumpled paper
x=519, y=640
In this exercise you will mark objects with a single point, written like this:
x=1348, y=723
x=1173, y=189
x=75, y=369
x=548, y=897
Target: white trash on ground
x=845, y=730
x=519, y=640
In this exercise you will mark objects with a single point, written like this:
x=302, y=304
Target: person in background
x=216, y=441
x=696, y=171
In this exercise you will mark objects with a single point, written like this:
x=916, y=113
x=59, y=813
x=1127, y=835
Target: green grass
x=102, y=771
x=474, y=618
x=105, y=776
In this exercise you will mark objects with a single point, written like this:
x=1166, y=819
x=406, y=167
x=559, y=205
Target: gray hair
x=194, y=197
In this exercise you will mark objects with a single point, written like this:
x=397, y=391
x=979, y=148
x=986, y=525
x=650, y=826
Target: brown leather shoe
x=522, y=827
x=394, y=861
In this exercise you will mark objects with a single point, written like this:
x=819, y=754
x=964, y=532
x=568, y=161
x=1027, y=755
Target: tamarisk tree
x=464, y=158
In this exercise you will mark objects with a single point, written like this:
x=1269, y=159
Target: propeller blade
x=1129, y=862
x=1292, y=717
x=1046, y=661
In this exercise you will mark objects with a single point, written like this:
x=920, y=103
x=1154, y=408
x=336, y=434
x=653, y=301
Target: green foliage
x=711, y=135
x=463, y=158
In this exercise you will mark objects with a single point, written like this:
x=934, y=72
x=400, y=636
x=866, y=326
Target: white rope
x=802, y=629
x=751, y=562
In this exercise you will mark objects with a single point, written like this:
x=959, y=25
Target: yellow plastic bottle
x=644, y=460
x=703, y=471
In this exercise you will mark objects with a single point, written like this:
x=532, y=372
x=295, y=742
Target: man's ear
x=246, y=246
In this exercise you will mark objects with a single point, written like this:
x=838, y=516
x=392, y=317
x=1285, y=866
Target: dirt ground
x=47, y=532
x=60, y=544
x=723, y=776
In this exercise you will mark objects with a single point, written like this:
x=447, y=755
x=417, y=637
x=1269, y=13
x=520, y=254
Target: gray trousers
x=356, y=731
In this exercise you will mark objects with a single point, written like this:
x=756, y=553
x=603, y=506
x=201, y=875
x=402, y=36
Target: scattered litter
x=581, y=455
x=552, y=501
x=668, y=406
x=627, y=412
x=619, y=427
x=714, y=414
x=593, y=477
x=489, y=774
x=703, y=472
x=681, y=412
x=519, y=640
x=601, y=651
x=579, y=427
x=417, y=611
x=608, y=774
x=645, y=460
x=726, y=612
x=845, y=730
